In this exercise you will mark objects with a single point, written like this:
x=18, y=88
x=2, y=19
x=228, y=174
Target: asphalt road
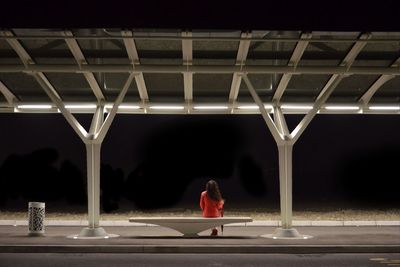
x=194, y=260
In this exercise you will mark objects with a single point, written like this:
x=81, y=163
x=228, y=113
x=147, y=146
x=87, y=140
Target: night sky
x=163, y=161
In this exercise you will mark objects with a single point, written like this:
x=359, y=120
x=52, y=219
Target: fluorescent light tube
x=210, y=107
x=342, y=107
x=248, y=107
x=34, y=106
x=253, y=107
x=128, y=107
x=82, y=106
x=384, y=107
x=167, y=107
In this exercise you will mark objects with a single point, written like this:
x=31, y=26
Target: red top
x=211, y=208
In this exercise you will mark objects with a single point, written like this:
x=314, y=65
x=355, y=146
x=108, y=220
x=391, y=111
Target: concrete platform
x=236, y=239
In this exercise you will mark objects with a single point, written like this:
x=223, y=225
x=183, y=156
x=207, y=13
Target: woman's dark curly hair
x=213, y=191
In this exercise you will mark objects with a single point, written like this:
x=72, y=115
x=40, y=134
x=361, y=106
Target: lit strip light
x=297, y=107
x=253, y=107
x=384, y=107
x=167, y=107
x=34, y=107
x=87, y=106
x=123, y=106
x=342, y=108
x=210, y=107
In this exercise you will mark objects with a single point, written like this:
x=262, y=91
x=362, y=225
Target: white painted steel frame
x=8, y=95
x=133, y=55
x=187, y=56
x=238, y=107
x=199, y=38
x=81, y=60
x=293, y=61
x=241, y=56
x=92, y=140
x=202, y=69
x=366, y=97
x=277, y=126
x=285, y=141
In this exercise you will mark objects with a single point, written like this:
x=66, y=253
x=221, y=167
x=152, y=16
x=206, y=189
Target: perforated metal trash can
x=36, y=215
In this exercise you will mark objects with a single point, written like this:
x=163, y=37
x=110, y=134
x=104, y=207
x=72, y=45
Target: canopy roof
x=200, y=71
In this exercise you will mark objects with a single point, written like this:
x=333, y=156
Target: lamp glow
x=83, y=106
x=210, y=107
x=342, y=107
x=253, y=107
x=167, y=107
x=128, y=107
x=34, y=106
x=384, y=107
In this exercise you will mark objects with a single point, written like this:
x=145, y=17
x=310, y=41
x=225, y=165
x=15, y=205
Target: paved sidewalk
x=275, y=223
x=236, y=239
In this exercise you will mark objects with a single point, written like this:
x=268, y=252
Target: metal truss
x=197, y=38
x=135, y=62
x=81, y=60
x=240, y=61
x=286, y=140
x=187, y=56
x=9, y=96
x=293, y=61
x=366, y=97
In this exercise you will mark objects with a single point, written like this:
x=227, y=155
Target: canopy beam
x=187, y=56
x=293, y=61
x=133, y=55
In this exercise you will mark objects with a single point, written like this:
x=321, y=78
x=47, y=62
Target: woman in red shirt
x=211, y=202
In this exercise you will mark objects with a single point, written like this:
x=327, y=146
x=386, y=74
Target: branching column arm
x=9, y=96
x=46, y=85
x=329, y=87
x=99, y=137
x=267, y=118
x=97, y=120
x=366, y=97
x=280, y=122
x=82, y=133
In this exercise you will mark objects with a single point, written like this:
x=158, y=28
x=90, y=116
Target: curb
x=286, y=249
x=251, y=224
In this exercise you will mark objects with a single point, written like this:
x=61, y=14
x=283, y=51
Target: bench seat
x=190, y=226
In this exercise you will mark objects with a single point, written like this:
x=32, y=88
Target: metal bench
x=190, y=226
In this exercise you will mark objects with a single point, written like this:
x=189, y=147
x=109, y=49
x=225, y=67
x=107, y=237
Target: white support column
x=282, y=138
x=98, y=130
x=93, y=173
x=285, y=181
x=93, y=141
x=285, y=141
